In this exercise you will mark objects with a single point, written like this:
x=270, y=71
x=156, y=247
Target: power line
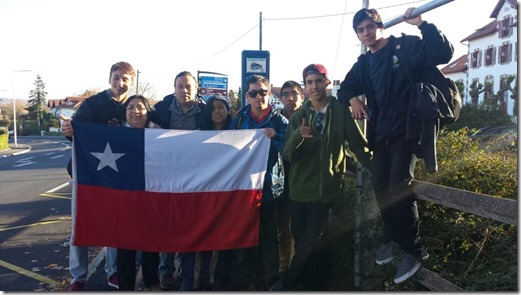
x=339, y=14
x=256, y=25
x=339, y=38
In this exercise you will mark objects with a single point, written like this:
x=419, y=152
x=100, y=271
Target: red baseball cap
x=314, y=69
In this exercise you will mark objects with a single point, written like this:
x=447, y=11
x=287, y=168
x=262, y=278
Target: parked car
x=487, y=134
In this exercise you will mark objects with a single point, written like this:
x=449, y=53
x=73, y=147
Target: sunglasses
x=253, y=93
x=319, y=118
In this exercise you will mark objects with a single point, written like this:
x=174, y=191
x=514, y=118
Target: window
x=505, y=53
x=476, y=58
x=490, y=56
x=505, y=27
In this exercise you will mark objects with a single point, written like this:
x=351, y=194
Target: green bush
x=4, y=137
x=474, y=118
x=476, y=253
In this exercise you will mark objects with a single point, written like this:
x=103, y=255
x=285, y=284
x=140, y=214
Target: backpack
x=448, y=105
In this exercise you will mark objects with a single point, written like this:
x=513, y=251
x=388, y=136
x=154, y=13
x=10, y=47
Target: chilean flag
x=167, y=190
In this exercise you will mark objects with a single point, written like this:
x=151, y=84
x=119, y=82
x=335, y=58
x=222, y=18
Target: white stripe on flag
x=205, y=161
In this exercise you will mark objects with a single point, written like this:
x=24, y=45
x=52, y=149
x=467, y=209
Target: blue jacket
x=244, y=120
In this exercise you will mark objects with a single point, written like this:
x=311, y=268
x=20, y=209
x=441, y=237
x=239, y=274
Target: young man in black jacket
x=106, y=107
x=378, y=75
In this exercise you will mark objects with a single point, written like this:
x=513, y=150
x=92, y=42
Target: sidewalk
x=12, y=151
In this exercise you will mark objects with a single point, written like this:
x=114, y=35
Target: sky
x=71, y=44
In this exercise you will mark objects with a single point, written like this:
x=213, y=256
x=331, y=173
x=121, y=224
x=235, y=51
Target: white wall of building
x=497, y=70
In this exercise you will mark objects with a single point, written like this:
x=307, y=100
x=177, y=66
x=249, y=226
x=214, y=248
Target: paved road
x=35, y=218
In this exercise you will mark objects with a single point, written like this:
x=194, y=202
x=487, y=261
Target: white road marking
x=57, y=188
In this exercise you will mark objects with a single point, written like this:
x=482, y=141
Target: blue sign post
x=253, y=62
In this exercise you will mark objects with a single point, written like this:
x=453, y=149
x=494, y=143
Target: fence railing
x=503, y=210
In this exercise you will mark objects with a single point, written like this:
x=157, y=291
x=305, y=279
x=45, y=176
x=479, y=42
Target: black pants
x=308, y=222
x=393, y=172
x=126, y=262
x=266, y=253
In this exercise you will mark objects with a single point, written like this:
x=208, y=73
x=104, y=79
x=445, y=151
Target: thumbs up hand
x=66, y=126
x=305, y=130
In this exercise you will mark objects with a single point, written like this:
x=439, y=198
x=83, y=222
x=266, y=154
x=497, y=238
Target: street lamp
x=14, y=109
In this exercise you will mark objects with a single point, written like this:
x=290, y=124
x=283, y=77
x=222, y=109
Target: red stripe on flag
x=166, y=222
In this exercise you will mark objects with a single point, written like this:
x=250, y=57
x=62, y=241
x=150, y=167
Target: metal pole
x=417, y=11
x=14, y=109
x=260, y=30
x=358, y=196
x=137, y=82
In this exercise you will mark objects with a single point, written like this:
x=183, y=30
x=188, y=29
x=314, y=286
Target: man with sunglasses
x=258, y=114
x=315, y=146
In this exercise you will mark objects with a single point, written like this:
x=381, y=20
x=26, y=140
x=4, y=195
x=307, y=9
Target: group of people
x=308, y=139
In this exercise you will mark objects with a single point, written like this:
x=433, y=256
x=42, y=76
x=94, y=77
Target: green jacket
x=318, y=163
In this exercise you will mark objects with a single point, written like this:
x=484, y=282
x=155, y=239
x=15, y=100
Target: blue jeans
x=79, y=262
x=166, y=264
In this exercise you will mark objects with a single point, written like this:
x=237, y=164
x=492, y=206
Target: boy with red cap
x=315, y=146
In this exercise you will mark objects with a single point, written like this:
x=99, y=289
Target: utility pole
x=260, y=30
x=137, y=82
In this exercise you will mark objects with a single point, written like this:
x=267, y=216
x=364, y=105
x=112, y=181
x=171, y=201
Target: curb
x=23, y=149
x=22, y=152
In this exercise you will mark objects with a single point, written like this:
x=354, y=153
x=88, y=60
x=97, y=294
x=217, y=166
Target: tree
x=146, y=89
x=235, y=101
x=513, y=90
x=475, y=90
x=37, y=101
x=88, y=92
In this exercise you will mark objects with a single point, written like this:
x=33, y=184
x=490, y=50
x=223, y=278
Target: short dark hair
x=258, y=78
x=188, y=74
x=292, y=84
x=122, y=65
x=365, y=13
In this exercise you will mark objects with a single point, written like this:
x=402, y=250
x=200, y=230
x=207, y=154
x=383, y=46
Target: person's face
x=120, y=82
x=261, y=94
x=316, y=86
x=368, y=33
x=185, y=90
x=219, y=112
x=136, y=113
x=291, y=98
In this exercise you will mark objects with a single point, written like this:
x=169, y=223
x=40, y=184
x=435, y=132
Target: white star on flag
x=108, y=158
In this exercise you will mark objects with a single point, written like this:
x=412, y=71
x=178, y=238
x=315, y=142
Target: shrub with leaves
x=474, y=252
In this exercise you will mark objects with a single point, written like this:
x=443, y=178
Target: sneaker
x=386, y=253
x=407, y=267
x=77, y=286
x=113, y=281
x=279, y=286
x=167, y=282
